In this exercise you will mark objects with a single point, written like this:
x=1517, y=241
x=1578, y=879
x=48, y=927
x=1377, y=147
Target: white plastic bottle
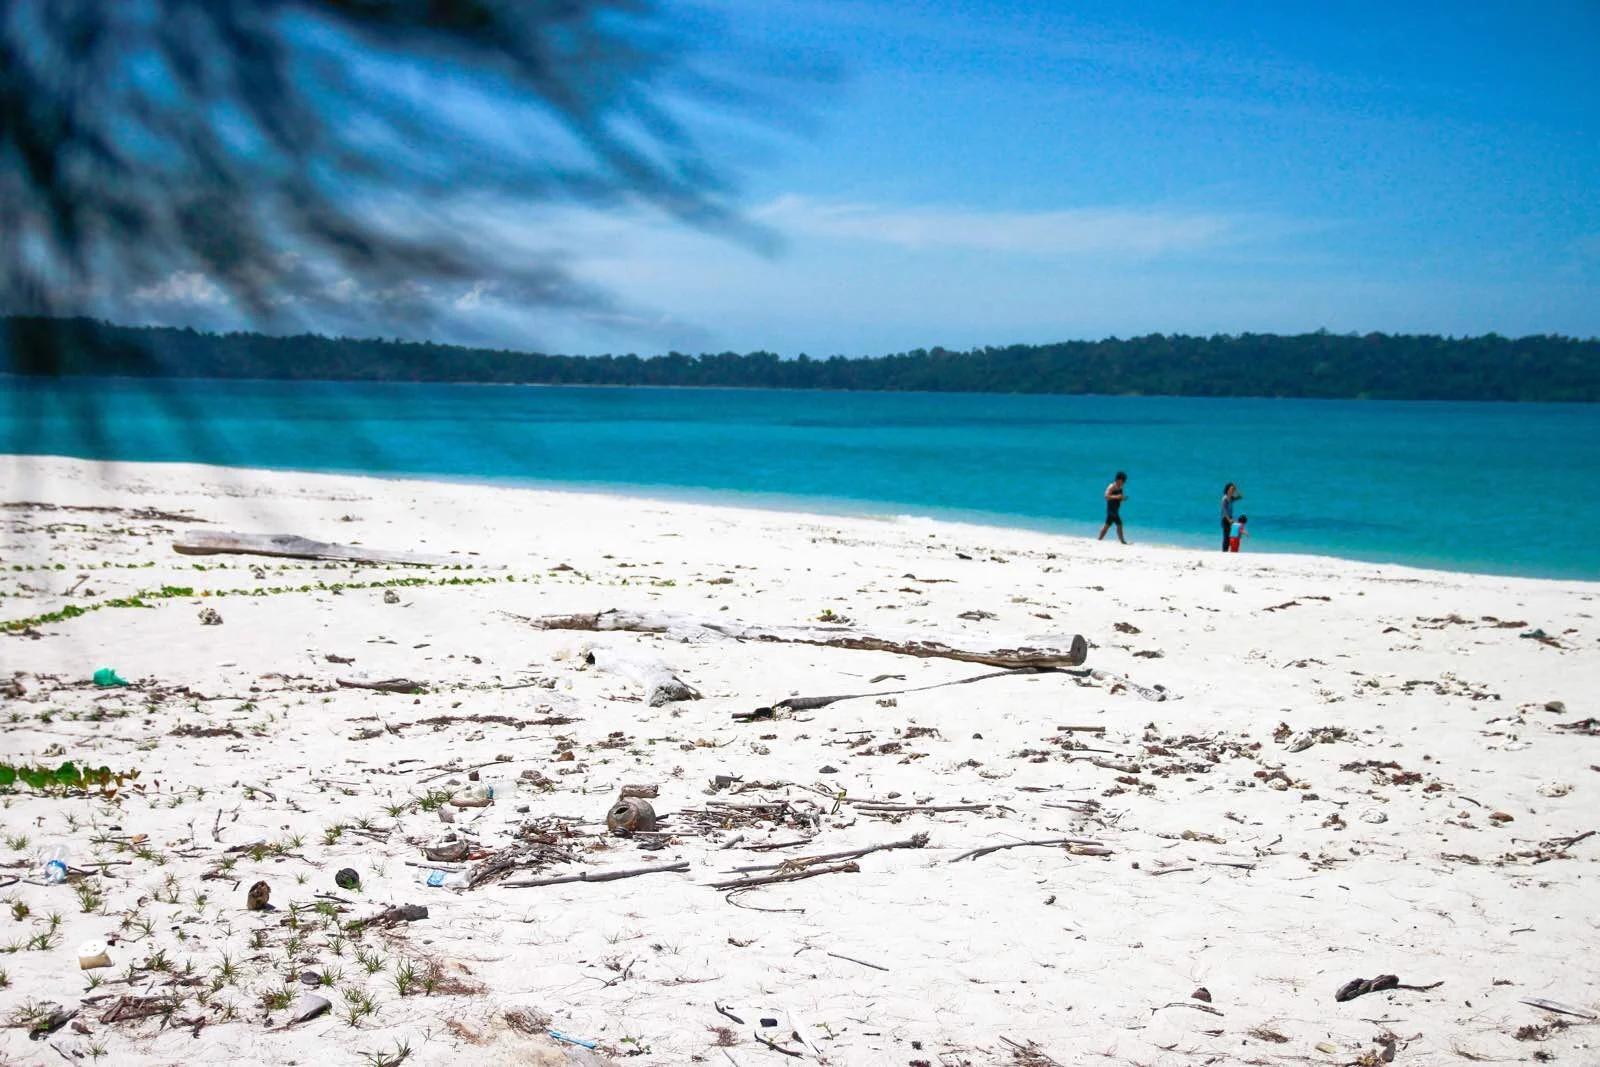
x=55, y=865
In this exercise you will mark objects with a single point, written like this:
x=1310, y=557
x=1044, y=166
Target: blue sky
x=1000, y=172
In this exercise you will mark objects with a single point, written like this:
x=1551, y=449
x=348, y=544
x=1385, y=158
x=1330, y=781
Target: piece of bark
x=1055, y=651
x=293, y=546
x=401, y=913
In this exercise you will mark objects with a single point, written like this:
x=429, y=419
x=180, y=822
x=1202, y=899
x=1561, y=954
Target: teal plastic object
x=108, y=676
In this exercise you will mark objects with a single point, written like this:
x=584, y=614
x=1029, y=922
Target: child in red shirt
x=1239, y=533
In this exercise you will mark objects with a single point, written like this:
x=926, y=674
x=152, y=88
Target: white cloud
x=185, y=287
x=473, y=298
x=1133, y=232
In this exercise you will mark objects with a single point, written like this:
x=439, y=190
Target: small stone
x=1201, y=994
x=391, y=597
x=309, y=1006
x=828, y=769
x=347, y=878
x=446, y=815
x=210, y=617
x=1559, y=707
x=1373, y=815
x=1500, y=817
x=310, y=978
x=259, y=898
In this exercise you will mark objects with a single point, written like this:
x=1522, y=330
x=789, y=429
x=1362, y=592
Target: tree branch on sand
x=1054, y=651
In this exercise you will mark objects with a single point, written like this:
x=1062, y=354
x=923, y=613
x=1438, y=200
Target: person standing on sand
x=1230, y=493
x=1114, y=498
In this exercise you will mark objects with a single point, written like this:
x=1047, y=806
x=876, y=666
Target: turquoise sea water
x=1497, y=488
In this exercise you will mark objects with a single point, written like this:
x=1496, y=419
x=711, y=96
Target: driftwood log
x=1053, y=651
x=659, y=682
x=382, y=685
x=293, y=546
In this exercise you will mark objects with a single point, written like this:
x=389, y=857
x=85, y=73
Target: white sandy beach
x=1361, y=770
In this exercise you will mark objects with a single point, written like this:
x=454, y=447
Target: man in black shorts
x=1114, y=498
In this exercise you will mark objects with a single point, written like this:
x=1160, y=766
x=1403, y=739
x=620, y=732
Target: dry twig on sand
x=1070, y=842
x=914, y=841
x=597, y=876
x=790, y=876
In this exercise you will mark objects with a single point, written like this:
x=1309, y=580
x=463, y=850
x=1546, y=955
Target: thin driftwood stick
x=791, y=876
x=915, y=841
x=875, y=805
x=975, y=853
x=596, y=876
x=812, y=703
x=852, y=959
x=1030, y=1053
x=445, y=772
x=1195, y=1004
x=1060, y=651
x=764, y=846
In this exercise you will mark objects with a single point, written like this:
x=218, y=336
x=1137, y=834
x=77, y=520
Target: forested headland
x=1322, y=364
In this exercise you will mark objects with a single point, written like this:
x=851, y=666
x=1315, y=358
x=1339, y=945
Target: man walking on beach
x=1114, y=498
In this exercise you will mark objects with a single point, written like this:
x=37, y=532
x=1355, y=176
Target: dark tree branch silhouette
x=359, y=159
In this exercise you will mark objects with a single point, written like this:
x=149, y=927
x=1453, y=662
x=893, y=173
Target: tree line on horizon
x=1316, y=365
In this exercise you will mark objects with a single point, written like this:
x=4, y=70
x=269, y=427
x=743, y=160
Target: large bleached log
x=1055, y=651
x=293, y=546
x=657, y=680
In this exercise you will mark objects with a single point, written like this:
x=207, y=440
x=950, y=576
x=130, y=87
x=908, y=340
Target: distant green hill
x=1376, y=366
